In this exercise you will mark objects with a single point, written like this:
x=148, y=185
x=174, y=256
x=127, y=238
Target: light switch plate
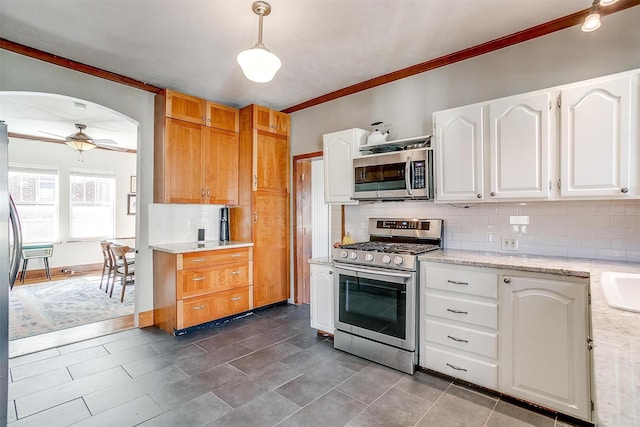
x=518, y=220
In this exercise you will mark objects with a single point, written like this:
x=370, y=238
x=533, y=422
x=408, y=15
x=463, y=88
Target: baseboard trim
x=40, y=275
x=145, y=319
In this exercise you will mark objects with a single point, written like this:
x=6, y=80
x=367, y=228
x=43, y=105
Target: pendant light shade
x=80, y=141
x=259, y=64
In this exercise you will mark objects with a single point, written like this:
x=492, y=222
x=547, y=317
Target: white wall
x=63, y=158
x=179, y=223
x=20, y=73
x=599, y=229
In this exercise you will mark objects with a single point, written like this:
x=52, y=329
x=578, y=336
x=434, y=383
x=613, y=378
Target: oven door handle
x=378, y=272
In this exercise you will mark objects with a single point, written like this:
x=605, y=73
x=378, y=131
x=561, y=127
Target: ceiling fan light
x=259, y=64
x=80, y=145
x=607, y=2
x=591, y=22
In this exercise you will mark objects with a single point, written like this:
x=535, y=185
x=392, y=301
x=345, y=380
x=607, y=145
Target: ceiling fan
x=80, y=141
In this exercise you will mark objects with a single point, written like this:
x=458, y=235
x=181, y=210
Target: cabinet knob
x=507, y=280
x=493, y=193
x=331, y=272
x=203, y=119
x=624, y=190
x=479, y=196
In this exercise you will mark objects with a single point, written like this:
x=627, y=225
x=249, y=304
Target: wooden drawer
x=461, y=279
x=466, y=368
x=213, y=258
x=193, y=311
x=474, y=313
x=200, y=281
x=461, y=338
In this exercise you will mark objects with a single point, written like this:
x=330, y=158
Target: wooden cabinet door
x=271, y=163
x=595, y=139
x=221, y=167
x=459, y=137
x=270, y=248
x=185, y=107
x=543, y=348
x=338, y=152
x=520, y=130
x=322, y=302
x=222, y=117
x=280, y=123
x=184, y=161
x=261, y=118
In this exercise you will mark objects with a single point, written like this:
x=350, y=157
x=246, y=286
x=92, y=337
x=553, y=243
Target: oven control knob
x=386, y=259
x=398, y=260
x=368, y=257
x=344, y=254
x=353, y=255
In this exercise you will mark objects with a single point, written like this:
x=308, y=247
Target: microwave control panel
x=419, y=173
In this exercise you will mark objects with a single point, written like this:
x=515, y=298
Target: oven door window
x=374, y=305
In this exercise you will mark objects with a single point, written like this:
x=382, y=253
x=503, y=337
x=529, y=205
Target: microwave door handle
x=407, y=175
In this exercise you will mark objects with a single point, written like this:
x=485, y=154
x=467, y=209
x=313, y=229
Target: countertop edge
x=181, y=248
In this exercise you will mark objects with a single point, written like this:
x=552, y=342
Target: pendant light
x=258, y=63
x=592, y=21
x=80, y=141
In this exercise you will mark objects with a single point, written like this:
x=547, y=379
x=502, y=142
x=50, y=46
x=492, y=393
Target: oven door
x=377, y=304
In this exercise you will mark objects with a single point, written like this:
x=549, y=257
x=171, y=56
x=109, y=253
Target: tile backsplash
x=584, y=229
x=180, y=223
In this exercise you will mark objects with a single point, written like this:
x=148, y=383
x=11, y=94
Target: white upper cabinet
x=596, y=137
x=339, y=150
x=520, y=140
x=459, y=140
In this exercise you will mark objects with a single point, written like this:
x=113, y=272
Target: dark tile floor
x=266, y=369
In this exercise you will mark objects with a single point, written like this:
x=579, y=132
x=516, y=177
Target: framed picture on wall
x=132, y=186
x=131, y=204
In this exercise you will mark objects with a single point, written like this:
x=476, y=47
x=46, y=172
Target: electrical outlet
x=509, y=243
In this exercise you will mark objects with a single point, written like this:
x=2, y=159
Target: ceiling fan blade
x=53, y=134
x=104, y=142
x=109, y=144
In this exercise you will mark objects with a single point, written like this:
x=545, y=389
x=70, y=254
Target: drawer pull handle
x=457, y=311
x=458, y=283
x=457, y=339
x=199, y=307
x=235, y=255
x=197, y=260
x=236, y=298
x=197, y=279
x=456, y=367
x=235, y=272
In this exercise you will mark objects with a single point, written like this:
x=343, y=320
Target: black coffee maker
x=224, y=224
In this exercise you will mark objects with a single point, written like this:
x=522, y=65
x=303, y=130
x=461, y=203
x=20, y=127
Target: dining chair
x=107, y=266
x=124, y=268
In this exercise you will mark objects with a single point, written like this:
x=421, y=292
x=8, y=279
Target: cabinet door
x=544, y=356
x=270, y=121
x=280, y=123
x=222, y=117
x=595, y=139
x=270, y=248
x=322, y=303
x=184, y=161
x=221, y=167
x=186, y=107
x=271, y=163
x=459, y=154
x=520, y=130
x=338, y=153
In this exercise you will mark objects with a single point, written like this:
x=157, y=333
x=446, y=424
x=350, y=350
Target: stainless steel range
x=376, y=289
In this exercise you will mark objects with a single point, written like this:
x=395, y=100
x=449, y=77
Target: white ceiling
x=324, y=45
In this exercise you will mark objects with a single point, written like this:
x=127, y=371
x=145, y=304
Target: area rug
x=50, y=306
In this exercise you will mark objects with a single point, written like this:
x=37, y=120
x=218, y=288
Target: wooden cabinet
x=195, y=163
x=269, y=120
x=459, y=154
x=322, y=298
x=521, y=133
x=339, y=149
x=198, y=287
x=262, y=214
x=459, y=322
x=596, y=139
x=544, y=341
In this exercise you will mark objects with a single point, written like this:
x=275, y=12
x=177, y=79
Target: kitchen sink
x=621, y=290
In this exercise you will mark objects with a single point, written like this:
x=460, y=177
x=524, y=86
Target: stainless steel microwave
x=399, y=175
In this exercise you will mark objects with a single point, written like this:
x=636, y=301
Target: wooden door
x=303, y=227
x=184, y=161
x=221, y=167
x=270, y=248
x=222, y=117
x=185, y=107
x=271, y=162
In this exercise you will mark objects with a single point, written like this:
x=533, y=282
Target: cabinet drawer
x=201, y=281
x=193, y=311
x=474, y=313
x=460, y=338
x=462, y=280
x=465, y=368
x=212, y=258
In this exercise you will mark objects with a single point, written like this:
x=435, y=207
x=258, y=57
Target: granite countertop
x=616, y=333
x=209, y=245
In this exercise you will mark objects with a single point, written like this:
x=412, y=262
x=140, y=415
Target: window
x=35, y=193
x=92, y=207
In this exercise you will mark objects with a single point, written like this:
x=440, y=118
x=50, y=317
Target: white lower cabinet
x=544, y=348
x=322, y=303
x=522, y=334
